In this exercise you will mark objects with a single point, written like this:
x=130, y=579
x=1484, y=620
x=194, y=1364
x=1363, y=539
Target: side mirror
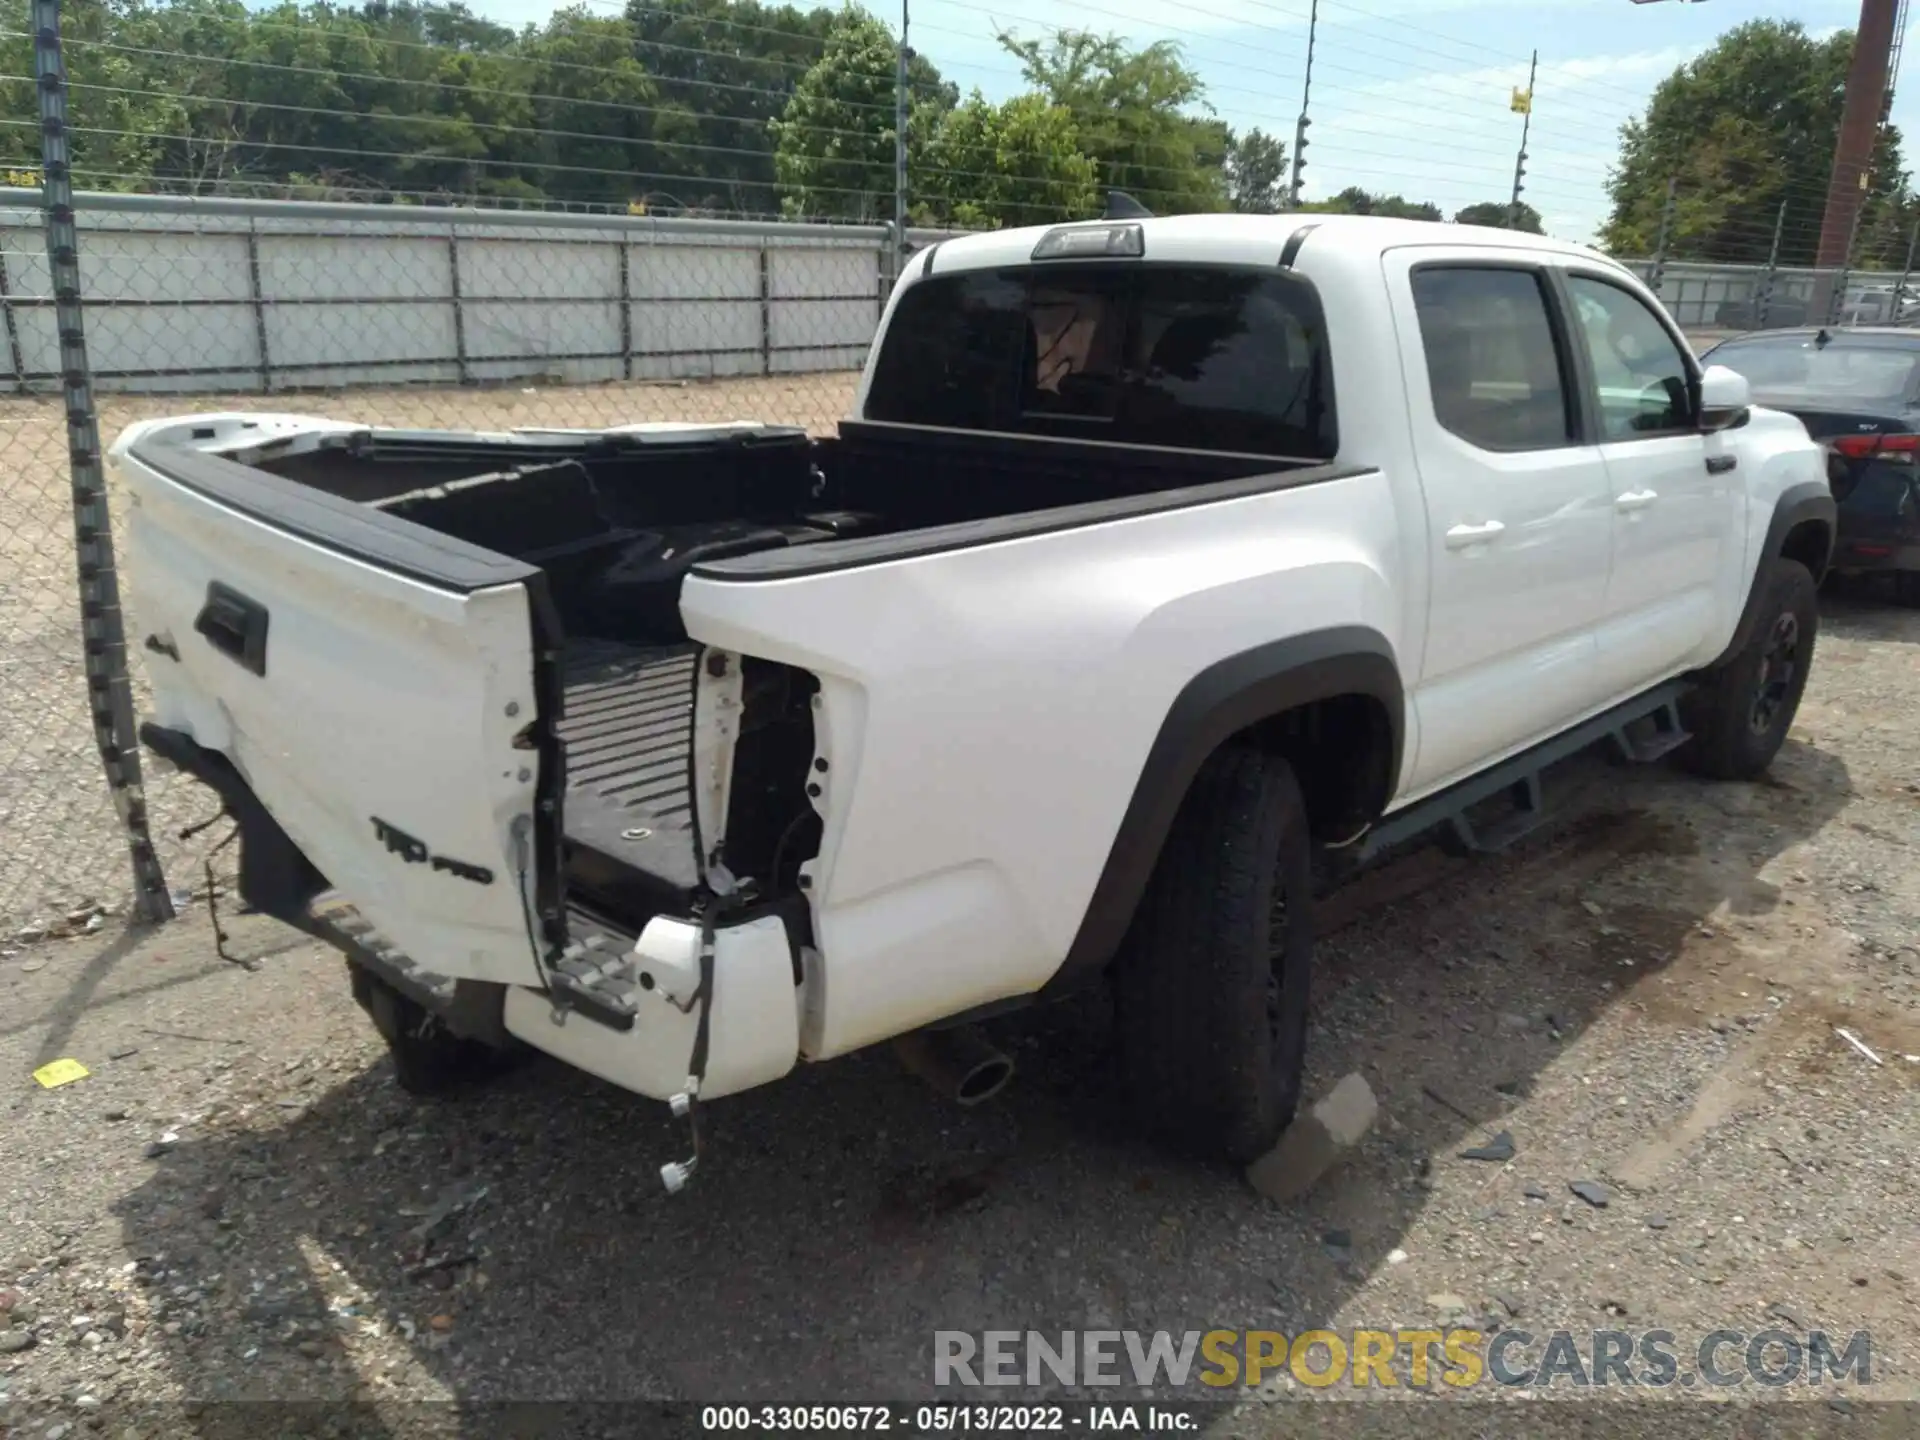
x=1724, y=397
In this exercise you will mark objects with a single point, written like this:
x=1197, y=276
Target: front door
x=1673, y=489
x=1519, y=511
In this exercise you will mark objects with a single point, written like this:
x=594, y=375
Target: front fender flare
x=1798, y=504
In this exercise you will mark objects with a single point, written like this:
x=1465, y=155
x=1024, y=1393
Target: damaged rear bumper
x=620, y=1006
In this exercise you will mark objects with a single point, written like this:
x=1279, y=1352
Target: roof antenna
x=1122, y=206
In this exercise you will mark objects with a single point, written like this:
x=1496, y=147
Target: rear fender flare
x=1218, y=703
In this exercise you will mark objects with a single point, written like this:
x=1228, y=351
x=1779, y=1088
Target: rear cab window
x=1188, y=357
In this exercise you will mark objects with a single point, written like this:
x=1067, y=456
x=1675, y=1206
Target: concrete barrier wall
x=194, y=295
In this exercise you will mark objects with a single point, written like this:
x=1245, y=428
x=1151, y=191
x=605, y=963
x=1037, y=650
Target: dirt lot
x=1645, y=997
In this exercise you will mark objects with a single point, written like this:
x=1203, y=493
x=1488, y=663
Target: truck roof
x=1252, y=240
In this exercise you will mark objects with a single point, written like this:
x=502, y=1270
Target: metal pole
x=766, y=311
x=1300, y=125
x=103, y=637
x=14, y=351
x=459, y=308
x=1773, y=266
x=258, y=296
x=899, y=238
x=1906, y=273
x=626, y=310
x=1660, y=246
x=1836, y=304
x=1520, y=161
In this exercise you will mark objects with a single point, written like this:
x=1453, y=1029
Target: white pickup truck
x=1158, y=560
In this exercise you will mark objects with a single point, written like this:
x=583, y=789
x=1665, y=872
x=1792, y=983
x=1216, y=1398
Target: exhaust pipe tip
x=959, y=1063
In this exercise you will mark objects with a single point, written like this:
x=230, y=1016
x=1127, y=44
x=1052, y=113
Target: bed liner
x=628, y=731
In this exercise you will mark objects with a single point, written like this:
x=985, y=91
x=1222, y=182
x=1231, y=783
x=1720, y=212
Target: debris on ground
x=448, y=1205
x=1445, y=1104
x=56, y=1073
x=1591, y=1191
x=1856, y=1042
x=1316, y=1140
x=1499, y=1149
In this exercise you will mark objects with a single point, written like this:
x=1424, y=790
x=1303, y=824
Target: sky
x=1409, y=96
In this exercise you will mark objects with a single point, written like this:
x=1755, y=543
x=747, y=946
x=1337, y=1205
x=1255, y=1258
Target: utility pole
x=900, y=151
x=1300, y=125
x=1526, y=128
x=1860, y=121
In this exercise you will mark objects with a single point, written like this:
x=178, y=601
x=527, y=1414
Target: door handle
x=1635, y=500
x=1721, y=464
x=1461, y=536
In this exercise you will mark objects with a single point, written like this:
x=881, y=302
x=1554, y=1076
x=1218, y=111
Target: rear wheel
x=1740, y=715
x=1906, y=588
x=1211, y=981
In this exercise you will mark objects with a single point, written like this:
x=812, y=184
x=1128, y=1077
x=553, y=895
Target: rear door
x=1519, y=514
x=375, y=684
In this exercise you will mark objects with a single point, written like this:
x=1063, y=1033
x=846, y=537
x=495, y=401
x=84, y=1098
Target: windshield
x=1850, y=369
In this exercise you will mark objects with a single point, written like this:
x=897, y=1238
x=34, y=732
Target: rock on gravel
x=1316, y=1141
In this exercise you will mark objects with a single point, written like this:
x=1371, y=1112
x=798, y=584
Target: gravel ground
x=1645, y=996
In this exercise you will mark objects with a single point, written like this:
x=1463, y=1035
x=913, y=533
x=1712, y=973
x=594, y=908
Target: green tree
x=1355, y=201
x=724, y=69
x=1744, y=129
x=593, y=107
x=1257, y=173
x=1131, y=110
x=1020, y=163
x=1502, y=216
x=834, y=141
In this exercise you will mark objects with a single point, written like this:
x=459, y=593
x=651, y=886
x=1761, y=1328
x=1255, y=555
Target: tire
x=1741, y=713
x=1211, y=1004
x=1906, y=588
x=428, y=1059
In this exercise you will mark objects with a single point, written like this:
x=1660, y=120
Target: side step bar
x=1642, y=730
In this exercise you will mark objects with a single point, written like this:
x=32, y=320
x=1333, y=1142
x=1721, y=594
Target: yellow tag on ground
x=60, y=1072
